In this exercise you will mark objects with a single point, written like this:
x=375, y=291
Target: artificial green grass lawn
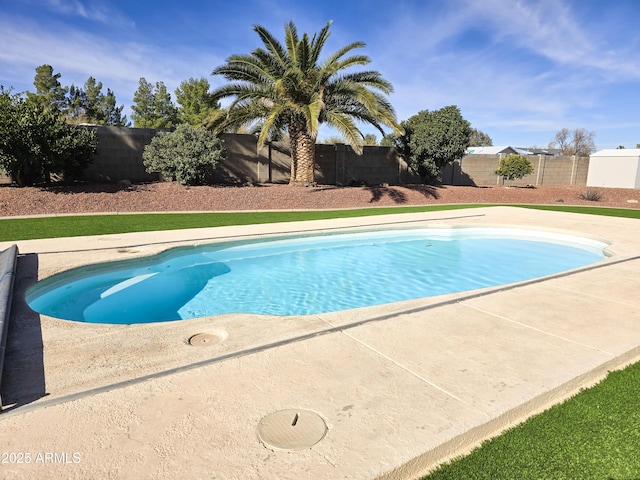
x=13, y=229
x=596, y=434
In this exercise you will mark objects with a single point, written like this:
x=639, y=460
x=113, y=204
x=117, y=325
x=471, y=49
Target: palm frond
x=247, y=69
x=272, y=121
x=270, y=65
x=291, y=41
x=242, y=90
x=347, y=129
x=242, y=115
x=369, y=78
x=303, y=52
x=312, y=113
x=352, y=61
x=318, y=42
x=363, y=104
x=272, y=45
x=334, y=57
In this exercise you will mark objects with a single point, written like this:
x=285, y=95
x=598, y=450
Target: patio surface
x=401, y=386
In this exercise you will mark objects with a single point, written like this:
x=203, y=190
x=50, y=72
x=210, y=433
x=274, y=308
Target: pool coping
x=363, y=334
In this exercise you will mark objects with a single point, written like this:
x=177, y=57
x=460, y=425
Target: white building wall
x=618, y=168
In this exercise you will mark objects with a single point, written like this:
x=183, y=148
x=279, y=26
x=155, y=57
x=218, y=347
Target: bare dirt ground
x=168, y=197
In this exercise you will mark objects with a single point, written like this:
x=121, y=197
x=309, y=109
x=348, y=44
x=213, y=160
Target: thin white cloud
x=78, y=55
x=96, y=10
x=535, y=69
x=73, y=7
x=553, y=29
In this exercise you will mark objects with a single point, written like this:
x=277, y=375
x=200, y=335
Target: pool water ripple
x=307, y=275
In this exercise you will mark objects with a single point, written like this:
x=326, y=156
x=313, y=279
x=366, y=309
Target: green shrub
x=433, y=139
x=188, y=155
x=514, y=166
x=36, y=142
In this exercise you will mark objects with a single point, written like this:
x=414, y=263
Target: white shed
x=614, y=168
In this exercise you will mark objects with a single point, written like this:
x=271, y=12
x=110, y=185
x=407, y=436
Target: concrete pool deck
x=401, y=387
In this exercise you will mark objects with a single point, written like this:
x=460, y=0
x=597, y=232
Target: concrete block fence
x=119, y=157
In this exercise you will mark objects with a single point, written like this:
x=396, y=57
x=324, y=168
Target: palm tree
x=285, y=87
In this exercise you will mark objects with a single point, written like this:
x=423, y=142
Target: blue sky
x=518, y=70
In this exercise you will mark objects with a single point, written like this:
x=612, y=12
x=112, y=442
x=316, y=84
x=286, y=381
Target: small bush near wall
x=591, y=194
x=187, y=155
x=514, y=166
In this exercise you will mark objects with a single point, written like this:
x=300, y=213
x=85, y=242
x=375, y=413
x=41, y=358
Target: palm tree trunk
x=303, y=152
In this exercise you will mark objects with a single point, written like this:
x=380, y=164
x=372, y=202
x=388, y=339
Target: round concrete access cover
x=203, y=339
x=291, y=429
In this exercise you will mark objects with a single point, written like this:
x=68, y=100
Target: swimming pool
x=307, y=274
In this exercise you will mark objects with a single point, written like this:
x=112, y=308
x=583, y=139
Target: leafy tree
x=433, y=140
x=286, y=87
x=153, y=107
x=479, y=139
x=90, y=105
x=332, y=140
x=197, y=104
x=370, y=139
x=36, y=142
x=388, y=140
x=49, y=92
x=514, y=166
x=187, y=155
x=10, y=134
x=578, y=142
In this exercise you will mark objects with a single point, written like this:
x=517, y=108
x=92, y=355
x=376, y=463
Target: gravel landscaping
x=171, y=197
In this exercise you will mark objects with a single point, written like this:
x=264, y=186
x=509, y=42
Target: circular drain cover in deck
x=203, y=339
x=291, y=429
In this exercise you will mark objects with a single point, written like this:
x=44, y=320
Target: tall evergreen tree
x=143, y=108
x=165, y=111
x=89, y=105
x=152, y=106
x=49, y=91
x=112, y=114
x=196, y=102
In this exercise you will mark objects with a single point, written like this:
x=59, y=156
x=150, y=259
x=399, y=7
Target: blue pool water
x=307, y=275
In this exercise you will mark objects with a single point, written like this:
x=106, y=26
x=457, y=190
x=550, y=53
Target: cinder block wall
x=547, y=170
x=376, y=165
x=476, y=170
x=119, y=155
x=330, y=164
x=244, y=162
x=120, y=150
